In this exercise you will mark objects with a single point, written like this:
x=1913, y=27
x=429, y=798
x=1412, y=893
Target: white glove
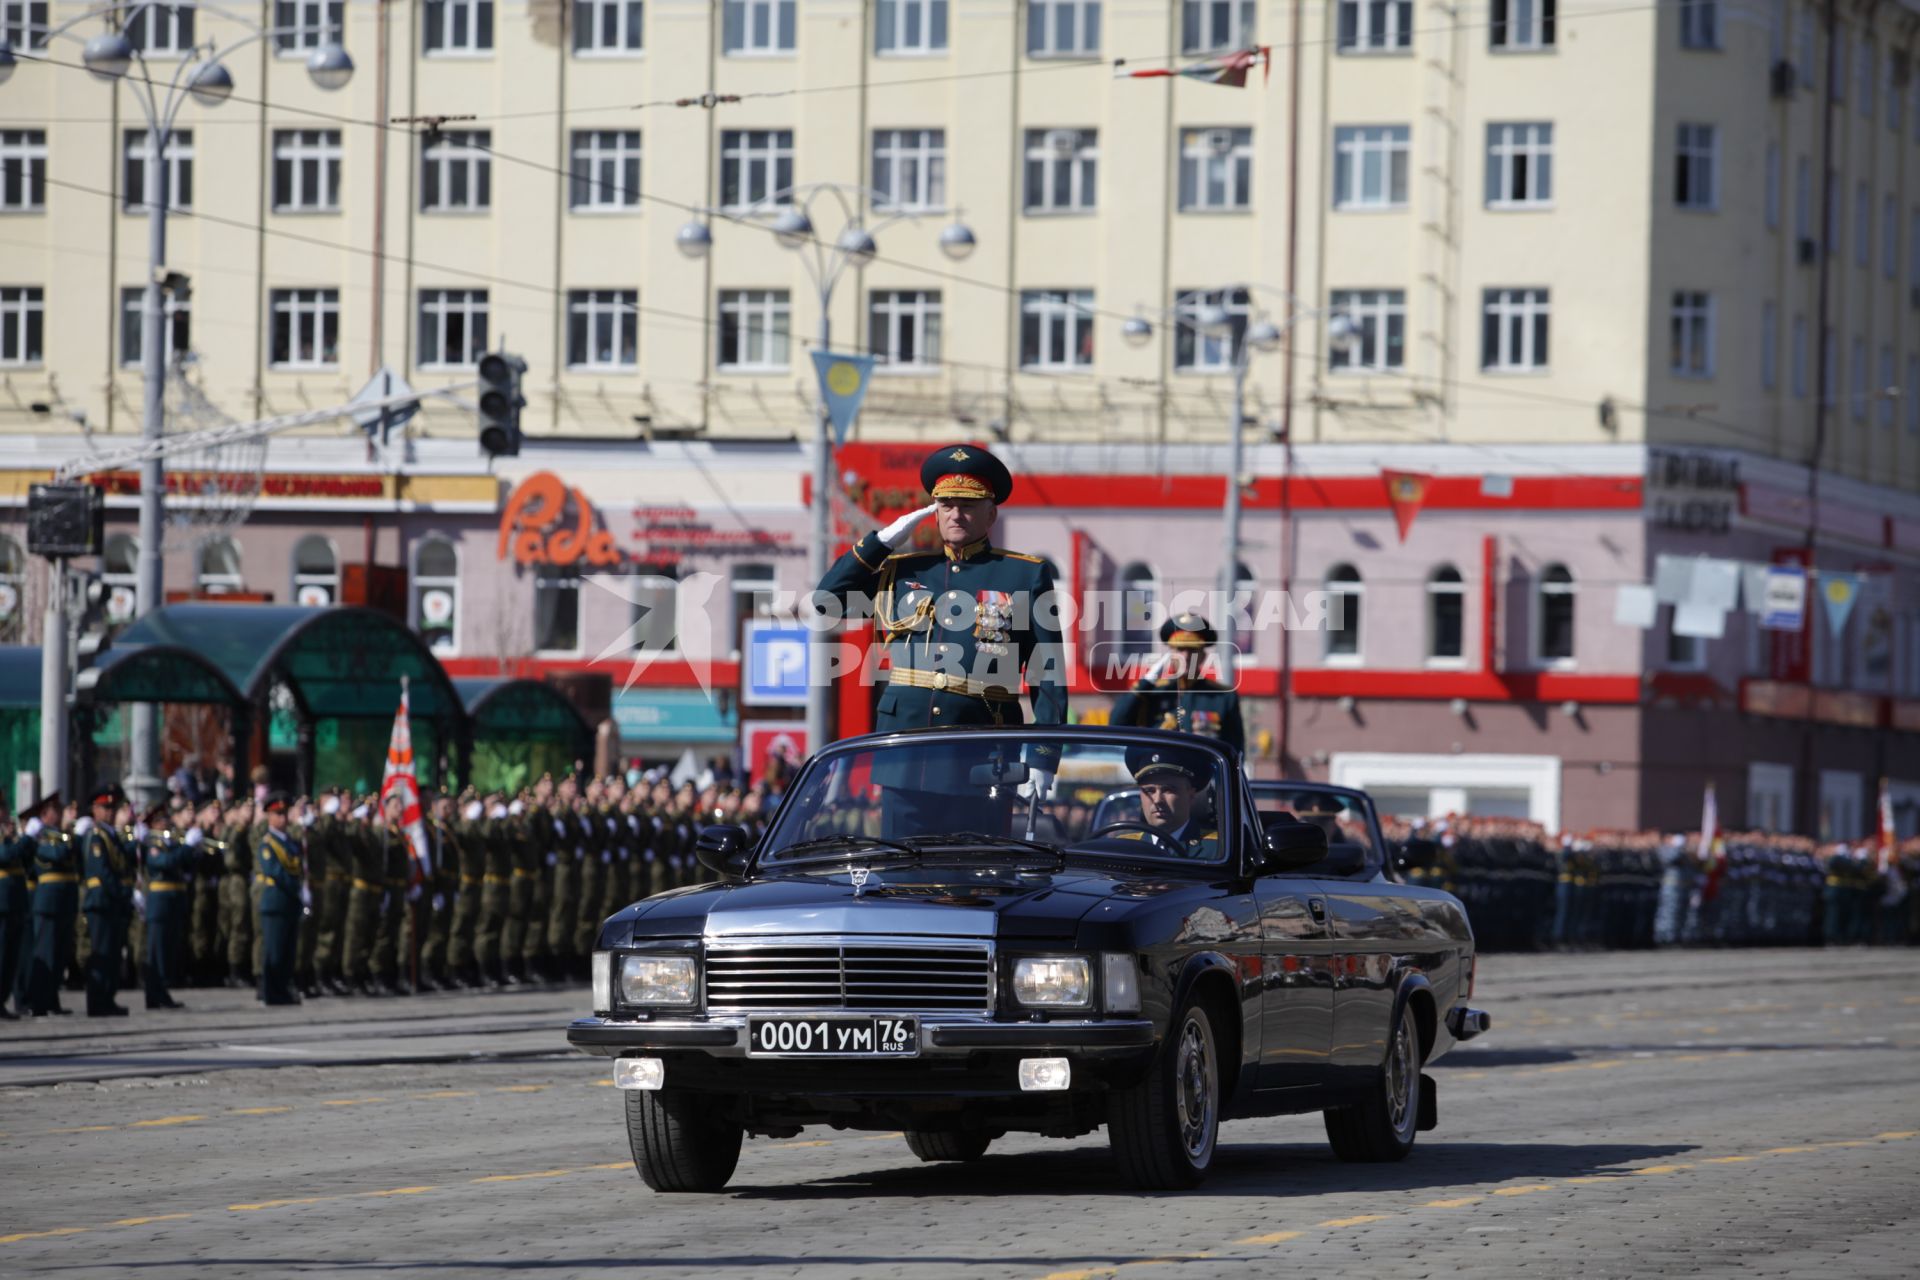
x=194, y=836
x=439, y=902
x=472, y=810
x=330, y=805
x=606, y=856
x=306, y=896
x=625, y=853
x=900, y=530
x=83, y=826
x=35, y=827
x=139, y=832
x=579, y=852
x=553, y=859
x=139, y=901
x=1041, y=780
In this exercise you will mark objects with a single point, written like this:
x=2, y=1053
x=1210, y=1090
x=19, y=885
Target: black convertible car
x=966, y=933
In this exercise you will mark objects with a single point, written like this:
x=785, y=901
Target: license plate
x=833, y=1037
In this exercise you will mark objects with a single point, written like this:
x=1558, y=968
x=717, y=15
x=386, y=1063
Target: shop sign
x=671, y=715
x=1839, y=706
x=667, y=535
x=272, y=484
x=1776, y=698
x=548, y=523
x=1692, y=492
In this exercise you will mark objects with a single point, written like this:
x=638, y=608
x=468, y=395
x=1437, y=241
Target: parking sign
x=776, y=666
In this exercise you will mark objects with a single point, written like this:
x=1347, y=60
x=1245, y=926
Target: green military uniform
x=16, y=917
x=169, y=906
x=207, y=862
x=363, y=902
x=1187, y=702
x=306, y=970
x=330, y=872
x=439, y=901
x=530, y=838
x=497, y=877
x=595, y=870
x=569, y=837
x=56, y=904
x=278, y=874
x=110, y=870
x=463, y=935
x=388, y=964
x=236, y=903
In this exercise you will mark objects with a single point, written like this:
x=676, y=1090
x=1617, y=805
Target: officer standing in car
x=1178, y=693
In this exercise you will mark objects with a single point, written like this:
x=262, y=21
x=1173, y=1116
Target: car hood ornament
x=860, y=876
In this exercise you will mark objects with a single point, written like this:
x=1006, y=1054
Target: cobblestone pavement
x=1733, y=1113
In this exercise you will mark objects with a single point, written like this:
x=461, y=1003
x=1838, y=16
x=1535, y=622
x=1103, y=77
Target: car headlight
x=1062, y=982
x=659, y=980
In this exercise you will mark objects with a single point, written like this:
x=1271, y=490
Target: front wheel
x=1381, y=1128
x=934, y=1145
x=680, y=1140
x=1163, y=1130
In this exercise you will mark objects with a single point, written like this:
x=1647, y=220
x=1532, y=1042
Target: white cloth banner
x=1634, y=605
x=1716, y=584
x=1673, y=579
x=1695, y=619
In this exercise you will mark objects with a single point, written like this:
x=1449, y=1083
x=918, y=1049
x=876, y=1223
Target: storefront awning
x=157, y=673
x=524, y=709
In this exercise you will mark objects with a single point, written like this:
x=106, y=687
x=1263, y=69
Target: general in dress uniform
x=1178, y=694
x=963, y=626
x=277, y=871
x=108, y=902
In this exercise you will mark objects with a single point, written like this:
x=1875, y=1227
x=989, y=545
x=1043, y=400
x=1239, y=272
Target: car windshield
x=973, y=795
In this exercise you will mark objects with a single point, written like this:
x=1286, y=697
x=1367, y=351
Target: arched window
x=1446, y=615
x=1139, y=590
x=119, y=565
x=13, y=591
x=316, y=572
x=1346, y=592
x=219, y=567
x=655, y=624
x=436, y=593
x=1553, y=630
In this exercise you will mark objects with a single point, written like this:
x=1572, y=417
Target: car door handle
x=1318, y=907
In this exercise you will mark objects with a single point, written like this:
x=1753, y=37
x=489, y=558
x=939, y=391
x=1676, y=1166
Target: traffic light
x=500, y=403
x=65, y=520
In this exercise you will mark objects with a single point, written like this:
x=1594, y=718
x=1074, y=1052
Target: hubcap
x=1193, y=1092
x=1400, y=1073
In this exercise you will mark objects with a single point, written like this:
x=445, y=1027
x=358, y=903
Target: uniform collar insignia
x=967, y=552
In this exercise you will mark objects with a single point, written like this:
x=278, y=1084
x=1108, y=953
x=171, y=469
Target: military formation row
x=512, y=889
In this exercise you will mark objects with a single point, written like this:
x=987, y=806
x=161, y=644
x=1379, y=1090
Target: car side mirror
x=723, y=850
x=1289, y=844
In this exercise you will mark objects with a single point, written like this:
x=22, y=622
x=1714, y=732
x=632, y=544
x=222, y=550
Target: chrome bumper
x=941, y=1035
x=1465, y=1023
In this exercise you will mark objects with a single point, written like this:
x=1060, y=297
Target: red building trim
x=1475, y=686
x=677, y=673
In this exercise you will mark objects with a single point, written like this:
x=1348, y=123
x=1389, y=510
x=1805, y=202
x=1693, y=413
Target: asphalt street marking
x=259, y=1111
x=165, y=1120
x=1272, y=1237
x=1431, y=1204
x=141, y=1222
x=1356, y=1220
x=1525, y=1191
x=349, y=1102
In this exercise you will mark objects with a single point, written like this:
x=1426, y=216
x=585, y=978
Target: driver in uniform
x=1171, y=784
x=1177, y=694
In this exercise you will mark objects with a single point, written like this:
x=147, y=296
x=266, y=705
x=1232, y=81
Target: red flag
x=1228, y=69
x=1712, y=851
x=399, y=780
x=1406, y=492
x=1887, y=838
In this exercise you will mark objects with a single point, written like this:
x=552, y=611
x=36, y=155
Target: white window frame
x=1049, y=149
x=1885, y=391
x=1697, y=167
x=1542, y=588
x=1065, y=315
x=1769, y=346
x=1514, y=310
x=1225, y=153
x=421, y=583
x=321, y=148
x=23, y=23
x=1770, y=793
x=589, y=28
x=476, y=41
x=23, y=167
x=564, y=578
x=1439, y=585
x=1699, y=24
x=1357, y=146
x=223, y=581
x=1379, y=317
x=897, y=314
x=1771, y=194
x=299, y=578
x=762, y=318
x=601, y=311
x=762, y=165
x=1520, y=164
x=136, y=150
x=595, y=153
x=177, y=324
x=910, y=170
x=308, y=312
x=1352, y=603
x=439, y=307
x=1373, y=26
x=1521, y=26
x=450, y=153
x=1797, y=358
x=741, y=33
x=301, y=26
x=1044, y=23
x=1691, y=334
x=1197, y=352
x=895, y=20
x=23, y=310
x=161, y=30
x=1235, y=20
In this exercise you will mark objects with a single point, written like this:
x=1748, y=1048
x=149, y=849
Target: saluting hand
x=900, y=530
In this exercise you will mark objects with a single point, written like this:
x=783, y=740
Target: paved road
x=1750, y=1113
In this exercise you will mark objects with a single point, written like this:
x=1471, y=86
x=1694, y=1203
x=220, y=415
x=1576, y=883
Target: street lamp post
x=201, y=75
x=826, y=262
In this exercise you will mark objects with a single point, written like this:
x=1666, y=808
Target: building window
x=1684, y=652
x=1857, y=378
x=754, y=327
x=756, y=166
x=1691, y=333
x=1370, y=166
x=1216, y=26
x=1056, y=329
x=456, y=172
x=606, y=170
x=179, y=162
x=1769, y=346
x=1899, y=68
x=1520, y=25
x=910, y=27
x=556, y=608
x=23, y=170
x=1513, y=330
x=22, y=324
x=1446, y=616
x=752, y=589
x=305, y=330
x=217, y=567
x=1884, y=390
x=1700, y=24
x=1139, y=592
x=1345, y=595
x=13, y=591
x=133, y=313
x=1554, y=632
x=161, y=30
x=1696, y=157
x=1862, y=225
x=603, y=329
x=1519, y=166
x=1889, y=237
x=453, y=327
x=1865, y=75
x=1195, y=351
x=607, y=27
x=910, y=169
x=1770, y=196
x=23, y=23
x=308, y=24
x=1379, y=319
x=316, y=572
x=306, y=170
x=436, y=593
x=655, y=618
x=1061, y=167
x=903, y=327
x=757, y=27
x=458, y=26
x=1216, y=170
x=1802, y=199
x=1375, y=26
x=1797, y=357
x=1063, y=28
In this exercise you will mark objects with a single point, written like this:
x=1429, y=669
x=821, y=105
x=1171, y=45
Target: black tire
x=680, y=1140
x=1382, y=1126
x=934, y=1145
x=1165, y=1129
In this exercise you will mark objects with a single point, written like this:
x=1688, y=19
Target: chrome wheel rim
x=1400, y=1075
x=1193, y=1092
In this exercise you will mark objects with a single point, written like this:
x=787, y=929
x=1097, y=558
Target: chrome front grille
x=850, y=975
